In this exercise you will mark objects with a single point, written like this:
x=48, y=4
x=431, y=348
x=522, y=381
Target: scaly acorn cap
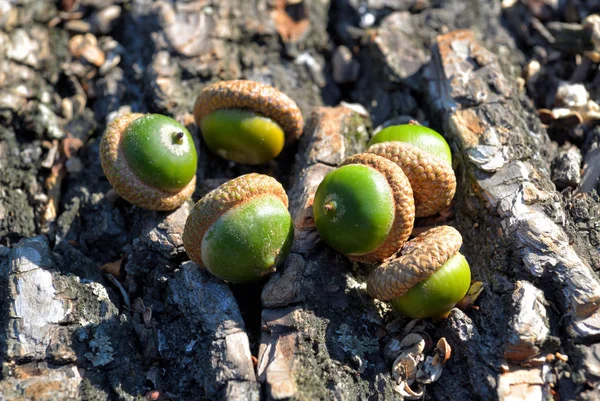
x=254, y=96
x=432, y=179
x=123, y=179
x=217, y=202
x=419, y=259
x=404, y=216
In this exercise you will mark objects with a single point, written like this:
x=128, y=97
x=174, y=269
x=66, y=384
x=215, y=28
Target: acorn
x=428, y=278
x=242, y=230
x=246, y=121
x=431, y=177
x=150, y=160
x=417, y=135
x=364, y=209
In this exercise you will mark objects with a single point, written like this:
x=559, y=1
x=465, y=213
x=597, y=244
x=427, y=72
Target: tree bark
x=319, y=328
x=157, y=326
x=505, y=178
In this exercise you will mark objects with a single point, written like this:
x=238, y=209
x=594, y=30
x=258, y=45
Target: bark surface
x=99, y=300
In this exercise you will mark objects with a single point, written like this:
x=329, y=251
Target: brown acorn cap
x=418, y=260
x=227, y=196
x=123, y=179
x=432, y=179
x=404, y=216
x=254, y=96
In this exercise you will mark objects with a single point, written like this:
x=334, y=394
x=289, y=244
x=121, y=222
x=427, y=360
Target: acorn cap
x=254, y=96
x=432, y=179
x=404, y=216
x=419, y=259
x=123, y=179
x=217, y=202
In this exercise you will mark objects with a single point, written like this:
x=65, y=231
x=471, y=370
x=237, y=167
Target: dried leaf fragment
x=412, y=367
x=53, y=185
x=443, y=350
x=408, y=393
x=474, y=291
x=431, y=370
x=290, y=30
x=113, y=267
x=86, y=46
x=404, y=368
x=413, y=343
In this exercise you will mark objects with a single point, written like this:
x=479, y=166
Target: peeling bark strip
x=208, y=304
x=480, y=114
x=530, y=324
x=467, y=86
x=318, y=336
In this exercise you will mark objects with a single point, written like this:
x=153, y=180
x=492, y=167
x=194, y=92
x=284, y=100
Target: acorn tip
x=178, y=137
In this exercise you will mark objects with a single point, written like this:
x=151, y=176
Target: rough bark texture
x=63, y=336
x=503, y=166
x=319, y=326
x=98, y=300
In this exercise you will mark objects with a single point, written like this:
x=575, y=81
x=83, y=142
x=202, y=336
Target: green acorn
x=242, y=230
x=364, y=209
x=246, y=121
x=428, y=278
x=417, y=135
x=150, y=160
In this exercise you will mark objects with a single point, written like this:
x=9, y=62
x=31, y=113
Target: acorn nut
x=425, y=158
x=242, y=230
x=247, y=121
x=428, y=278
x=150, y=160
x=365, y=209
x=417, y=135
